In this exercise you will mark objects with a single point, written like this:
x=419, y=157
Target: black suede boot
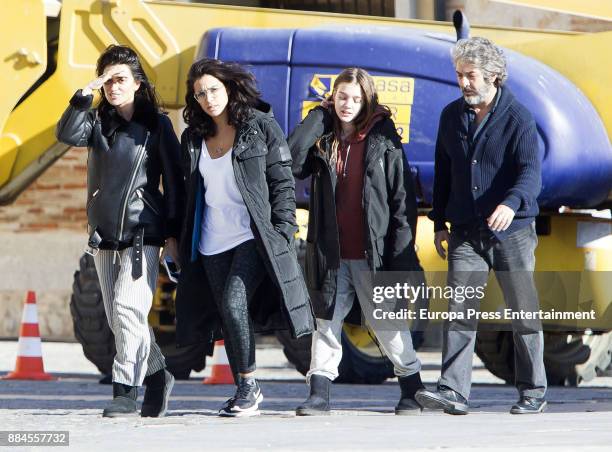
x=124, y=401
x=407, y=404
x=159, y=385
x=318, y=402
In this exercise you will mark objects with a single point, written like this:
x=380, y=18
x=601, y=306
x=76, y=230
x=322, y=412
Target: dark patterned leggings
x=234, y=276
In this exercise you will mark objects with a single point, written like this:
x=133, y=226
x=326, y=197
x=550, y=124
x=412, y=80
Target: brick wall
x=55, y=201
x=51, y=212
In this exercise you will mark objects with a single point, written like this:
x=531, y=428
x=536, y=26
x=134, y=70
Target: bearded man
x=487, y=179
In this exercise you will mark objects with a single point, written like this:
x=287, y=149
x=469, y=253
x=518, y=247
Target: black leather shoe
x=407, y=405
x=318, y=402
x=124, y=401
x=528, y=405
x=159, y=385
x=443, y=399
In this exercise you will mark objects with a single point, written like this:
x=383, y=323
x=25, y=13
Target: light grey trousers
x=127, y=303
x=354, y=279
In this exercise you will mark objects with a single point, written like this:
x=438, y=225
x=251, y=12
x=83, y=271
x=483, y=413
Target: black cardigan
x=502, y=167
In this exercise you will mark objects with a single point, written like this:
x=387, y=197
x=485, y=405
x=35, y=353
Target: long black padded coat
x=262, y=167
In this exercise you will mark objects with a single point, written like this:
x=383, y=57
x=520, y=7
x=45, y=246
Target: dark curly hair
x=241, y=91
x=116, y=54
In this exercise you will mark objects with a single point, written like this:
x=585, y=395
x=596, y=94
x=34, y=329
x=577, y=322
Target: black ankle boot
x=124, y=401
x=318, y=402
x=407, y=404
x=159, y=385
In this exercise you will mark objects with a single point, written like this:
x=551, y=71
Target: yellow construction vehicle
x=49, y=55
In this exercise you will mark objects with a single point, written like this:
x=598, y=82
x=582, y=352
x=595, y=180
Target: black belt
x=137, y=250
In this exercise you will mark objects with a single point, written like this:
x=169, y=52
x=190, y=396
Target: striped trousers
x=127, y=303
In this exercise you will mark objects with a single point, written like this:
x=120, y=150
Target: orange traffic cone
x=29, y=365
x=221, y=370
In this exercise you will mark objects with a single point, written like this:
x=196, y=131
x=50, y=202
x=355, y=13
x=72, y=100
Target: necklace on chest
x=218, y=151
x=219, y=146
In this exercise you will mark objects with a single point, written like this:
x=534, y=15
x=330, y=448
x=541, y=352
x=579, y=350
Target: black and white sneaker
x=227, y=403
x=245, y=402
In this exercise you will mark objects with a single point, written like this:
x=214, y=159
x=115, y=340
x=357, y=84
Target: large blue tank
x=294, y=66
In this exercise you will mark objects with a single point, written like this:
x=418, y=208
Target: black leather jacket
x=124, y=166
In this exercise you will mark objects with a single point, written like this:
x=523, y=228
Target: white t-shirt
x=226, y=223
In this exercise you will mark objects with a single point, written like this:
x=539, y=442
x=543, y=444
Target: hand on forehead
x=118, y=70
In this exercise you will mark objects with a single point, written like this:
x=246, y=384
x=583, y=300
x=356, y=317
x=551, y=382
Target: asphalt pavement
x=362, y=417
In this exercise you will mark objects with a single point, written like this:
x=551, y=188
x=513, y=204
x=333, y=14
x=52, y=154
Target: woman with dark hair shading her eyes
x=131, y=147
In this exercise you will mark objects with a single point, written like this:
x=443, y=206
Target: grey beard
x=474, y=100
x=479, y=97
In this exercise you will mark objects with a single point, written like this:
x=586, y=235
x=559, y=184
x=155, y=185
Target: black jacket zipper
x=142, y=195
x=139, y=160
x=93, y=197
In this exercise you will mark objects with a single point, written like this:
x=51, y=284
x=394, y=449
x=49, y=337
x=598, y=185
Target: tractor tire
x=573, y=358
x=297, y=351
x=181, y=361
x=95, y=336
x=496, y=351
x=355, y=367
x=89, y=319
x=569, y=358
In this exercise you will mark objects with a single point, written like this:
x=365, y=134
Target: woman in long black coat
x=239, y=266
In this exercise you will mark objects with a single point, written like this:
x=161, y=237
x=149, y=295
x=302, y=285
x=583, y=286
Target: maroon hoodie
x=350, y=169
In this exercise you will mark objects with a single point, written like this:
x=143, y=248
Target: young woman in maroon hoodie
x=362, y=220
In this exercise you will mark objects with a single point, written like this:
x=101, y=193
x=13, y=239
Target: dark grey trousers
x=471, y=255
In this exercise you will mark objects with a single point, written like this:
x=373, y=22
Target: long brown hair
x=369, y=100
